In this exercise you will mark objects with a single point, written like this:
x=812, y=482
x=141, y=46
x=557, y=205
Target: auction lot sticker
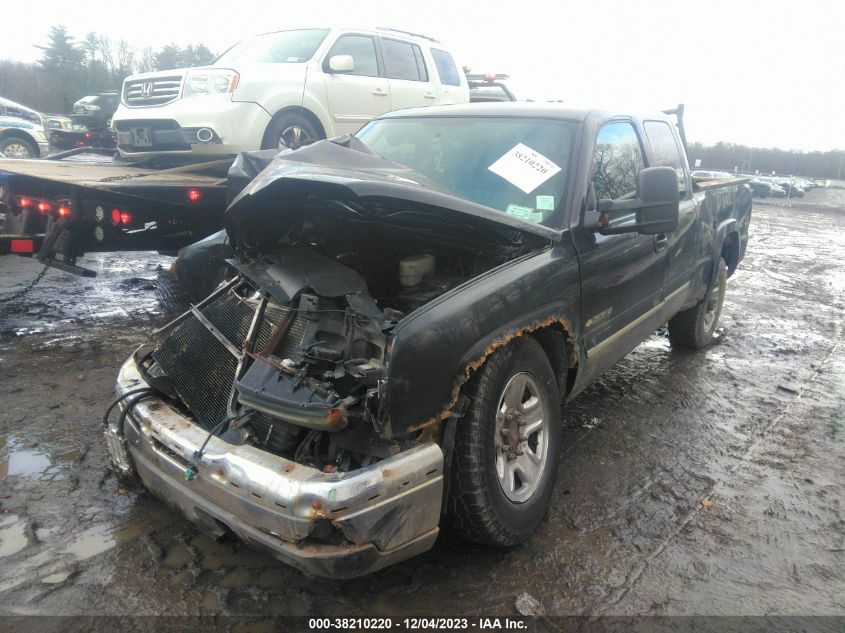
x=524, y=168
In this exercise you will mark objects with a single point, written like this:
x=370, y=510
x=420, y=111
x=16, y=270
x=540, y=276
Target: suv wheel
x=507, y=447
x=290, y=131
x=17, y=147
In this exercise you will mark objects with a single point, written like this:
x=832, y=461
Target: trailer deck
x=83, y=201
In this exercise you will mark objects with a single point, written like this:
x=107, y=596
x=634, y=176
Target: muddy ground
x=691, y=483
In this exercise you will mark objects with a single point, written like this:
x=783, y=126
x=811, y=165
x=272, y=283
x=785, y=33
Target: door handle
x=660, y=241
x=379, y=92
x=428, y=95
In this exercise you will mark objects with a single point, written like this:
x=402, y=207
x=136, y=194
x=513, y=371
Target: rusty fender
x=496, y=344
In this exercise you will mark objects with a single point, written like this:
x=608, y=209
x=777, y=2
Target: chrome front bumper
x=385, y=513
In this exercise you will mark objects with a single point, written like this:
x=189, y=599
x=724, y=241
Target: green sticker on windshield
x=518, y=211
x=545, y=203
x=524, y=213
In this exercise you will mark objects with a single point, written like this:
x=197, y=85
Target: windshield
x=282, y=47
x=516, y=166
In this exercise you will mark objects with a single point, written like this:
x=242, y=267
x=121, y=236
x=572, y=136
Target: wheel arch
x=305, y=112
x=23, y=135
x=730, y=251
x=550, y=333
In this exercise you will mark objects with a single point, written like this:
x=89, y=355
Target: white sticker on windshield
x=524, y=168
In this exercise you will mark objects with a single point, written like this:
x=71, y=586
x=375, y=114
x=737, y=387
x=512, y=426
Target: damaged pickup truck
x=410, y=310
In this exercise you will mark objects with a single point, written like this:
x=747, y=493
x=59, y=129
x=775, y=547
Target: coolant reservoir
x=412, y=269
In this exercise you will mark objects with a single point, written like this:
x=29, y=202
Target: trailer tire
x=485, y=504
x=14, y=146
x=694, y=328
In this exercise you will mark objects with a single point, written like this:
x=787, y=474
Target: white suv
x=284, y=88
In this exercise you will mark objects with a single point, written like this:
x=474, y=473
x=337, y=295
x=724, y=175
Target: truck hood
x=269, y=187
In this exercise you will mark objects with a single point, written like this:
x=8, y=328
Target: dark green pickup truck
x=410, y=309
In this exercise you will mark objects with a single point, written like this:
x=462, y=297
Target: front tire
x=17, y=147
x=694, y=328
x=507, y=447
x=290, y=131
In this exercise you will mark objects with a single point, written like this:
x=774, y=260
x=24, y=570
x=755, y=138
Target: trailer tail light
x=119, y=216
x=25, y=202
x=26, y=247
x=63, y=211
x=44, y=207
x=194, y=195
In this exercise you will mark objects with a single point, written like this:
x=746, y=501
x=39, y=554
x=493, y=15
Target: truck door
x=360, y=95
x=411, y=83
x=682, y=244
x=621, y=275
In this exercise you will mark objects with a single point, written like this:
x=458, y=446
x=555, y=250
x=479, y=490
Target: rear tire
x=499, y=493
x=694, y=328
x=18, y=147
x=290, y=131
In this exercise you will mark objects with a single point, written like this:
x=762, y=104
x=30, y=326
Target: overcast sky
x=760, y=73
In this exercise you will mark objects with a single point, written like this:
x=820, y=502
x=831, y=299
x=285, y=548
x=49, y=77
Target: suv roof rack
x=425, y=37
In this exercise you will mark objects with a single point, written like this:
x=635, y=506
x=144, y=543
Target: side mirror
x=658, y=190
x=341, y=64
x=654, y=210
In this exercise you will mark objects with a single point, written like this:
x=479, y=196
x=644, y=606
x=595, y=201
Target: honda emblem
x=147, y=89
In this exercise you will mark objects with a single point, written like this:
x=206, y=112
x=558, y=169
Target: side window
x=617, y=162
x=665, y=150
x=446, y=68
x=362, y=48
x=404, y=61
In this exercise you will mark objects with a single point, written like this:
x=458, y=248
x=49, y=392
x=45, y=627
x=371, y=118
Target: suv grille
x=158, y=91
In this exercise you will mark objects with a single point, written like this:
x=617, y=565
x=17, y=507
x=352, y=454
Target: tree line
x=730, y=156
x=70, y=69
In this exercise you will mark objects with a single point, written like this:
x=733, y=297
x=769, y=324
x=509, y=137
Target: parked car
x=95, y=111
x=22, y=133
x=82, y=137
x=712, y=175
x=761, y=188
x=411, y=307
x=285, y=89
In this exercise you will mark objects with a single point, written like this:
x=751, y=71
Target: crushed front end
x=299, y=468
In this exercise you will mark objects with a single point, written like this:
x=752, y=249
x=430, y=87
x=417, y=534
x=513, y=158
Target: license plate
x=141, y=137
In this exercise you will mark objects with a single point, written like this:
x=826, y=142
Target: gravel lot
x=706, y=483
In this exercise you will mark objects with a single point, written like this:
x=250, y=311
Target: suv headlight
x=209, y=82
x=92, y=108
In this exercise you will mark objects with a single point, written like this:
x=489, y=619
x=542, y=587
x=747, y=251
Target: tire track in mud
x=716, y=485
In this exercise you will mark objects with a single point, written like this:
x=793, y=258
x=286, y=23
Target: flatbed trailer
x=81, y=201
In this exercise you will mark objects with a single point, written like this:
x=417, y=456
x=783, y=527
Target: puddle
x=12, y=535
x=91, y=542
x=57, y=578
x=23, y=462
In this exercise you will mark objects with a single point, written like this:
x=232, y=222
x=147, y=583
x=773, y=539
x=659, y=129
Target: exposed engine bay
x=293, y=350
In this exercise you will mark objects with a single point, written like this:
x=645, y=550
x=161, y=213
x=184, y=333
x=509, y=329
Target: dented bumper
x=379, y=515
